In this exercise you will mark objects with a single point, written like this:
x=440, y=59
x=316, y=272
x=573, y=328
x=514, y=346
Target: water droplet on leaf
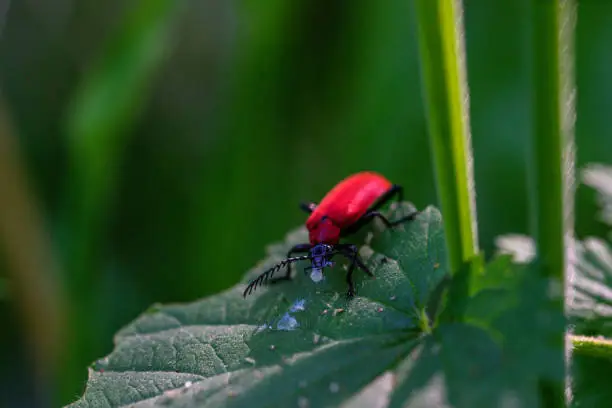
x=316, y=275
x=262, y=328
x=287, y=323
x=298, y=305
x=334, y=387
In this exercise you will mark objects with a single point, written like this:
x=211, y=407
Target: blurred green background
x=151, y=149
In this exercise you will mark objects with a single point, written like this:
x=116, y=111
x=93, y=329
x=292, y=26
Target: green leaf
x=462, y=365
x=304, y=344
x=226, y=344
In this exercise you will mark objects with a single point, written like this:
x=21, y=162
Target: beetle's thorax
x=323, y=232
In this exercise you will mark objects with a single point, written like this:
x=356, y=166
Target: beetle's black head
x=320, y=254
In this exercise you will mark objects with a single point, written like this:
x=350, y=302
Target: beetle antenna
x=270, y=272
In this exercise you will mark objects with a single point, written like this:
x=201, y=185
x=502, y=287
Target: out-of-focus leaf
x=104, y=107
x=590, y=312
x=304, y=344
x=590, y=290
x=520, y=247
x=599, y=177
x=591, y=307
x=111, y=94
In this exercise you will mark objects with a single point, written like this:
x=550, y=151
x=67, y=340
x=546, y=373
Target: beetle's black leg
x=308, y=207
x=373, y=212
x=370, y=215
x=390, y=224
x=298, y=249
x=349, y=279
x=395, y=190
x=350, y=251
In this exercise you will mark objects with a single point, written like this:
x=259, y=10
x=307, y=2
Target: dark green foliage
x=102, y=114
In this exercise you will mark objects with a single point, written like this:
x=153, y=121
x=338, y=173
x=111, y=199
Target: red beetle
x=350, y=205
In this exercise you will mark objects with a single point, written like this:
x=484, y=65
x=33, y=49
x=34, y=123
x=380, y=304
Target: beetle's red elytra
x=345, y=209
x=344, y=205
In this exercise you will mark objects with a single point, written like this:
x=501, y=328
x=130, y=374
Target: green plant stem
x=546, y=160
x=549, y=174
x=445, y=95
x=591, y=346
